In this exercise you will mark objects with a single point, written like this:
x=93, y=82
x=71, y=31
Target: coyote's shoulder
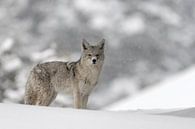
x=78, y=78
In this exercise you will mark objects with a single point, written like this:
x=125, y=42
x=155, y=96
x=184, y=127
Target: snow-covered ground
x=168, y=105
x=15, y=116
x=177, y=91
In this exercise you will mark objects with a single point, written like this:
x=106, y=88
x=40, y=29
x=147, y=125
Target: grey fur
x=77, y=78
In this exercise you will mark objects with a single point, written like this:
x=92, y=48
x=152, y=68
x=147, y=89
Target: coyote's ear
x=101, y=44
x=85, y=44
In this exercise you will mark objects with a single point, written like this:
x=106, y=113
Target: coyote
x=77, y=78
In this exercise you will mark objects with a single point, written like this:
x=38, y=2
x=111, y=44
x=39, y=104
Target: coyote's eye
x=97, y=55
x=89, y=54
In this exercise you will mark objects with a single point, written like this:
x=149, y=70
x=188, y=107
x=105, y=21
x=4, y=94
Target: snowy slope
x=184, y=113
x=177, y=91
x=34, y=117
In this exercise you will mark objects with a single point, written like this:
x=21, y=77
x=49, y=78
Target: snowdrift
x=15, y=116
x=174, y=92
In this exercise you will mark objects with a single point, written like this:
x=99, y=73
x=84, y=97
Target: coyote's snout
x=77, y=78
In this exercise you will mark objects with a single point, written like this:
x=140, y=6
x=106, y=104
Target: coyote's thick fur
x=77, y=78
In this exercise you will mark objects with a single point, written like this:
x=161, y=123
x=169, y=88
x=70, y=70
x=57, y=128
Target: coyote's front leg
x=77, y=99
x=84, y=100
x=80, y=100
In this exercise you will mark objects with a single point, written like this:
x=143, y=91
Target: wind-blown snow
x=175, y=92
x=34, y=117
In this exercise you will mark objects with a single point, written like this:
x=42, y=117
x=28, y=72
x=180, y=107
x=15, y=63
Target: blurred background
x=147, y=42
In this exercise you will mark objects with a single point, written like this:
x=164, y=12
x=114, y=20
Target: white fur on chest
x=93, y=75
x=89, y=81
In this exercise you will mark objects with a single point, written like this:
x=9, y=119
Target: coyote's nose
x=94, y=61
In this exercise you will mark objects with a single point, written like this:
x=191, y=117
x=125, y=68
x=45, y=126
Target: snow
x=133, y=25
x=38, y=56
x=15, y=116
x=95, y=6
x=184, y=113
x=124, y=85
x=6, y=45
x=174, y=92
x=161, y=11
x=11, y=63
x=100, y=22
x=13, y=95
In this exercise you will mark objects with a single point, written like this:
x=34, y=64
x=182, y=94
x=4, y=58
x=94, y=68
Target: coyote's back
x=76, y=78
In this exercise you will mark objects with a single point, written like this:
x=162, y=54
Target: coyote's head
x=92, y=54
